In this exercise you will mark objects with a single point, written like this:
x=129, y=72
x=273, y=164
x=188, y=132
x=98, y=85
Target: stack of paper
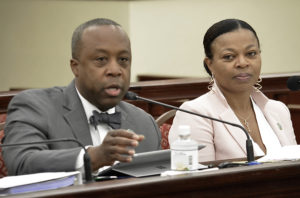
x=38, y=182
x=285, y=153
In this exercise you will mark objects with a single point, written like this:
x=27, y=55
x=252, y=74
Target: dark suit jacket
x=53, y=113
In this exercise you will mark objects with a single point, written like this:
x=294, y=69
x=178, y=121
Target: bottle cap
x=184, y=130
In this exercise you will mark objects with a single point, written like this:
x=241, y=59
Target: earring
x=211, y=82
x=257, y=85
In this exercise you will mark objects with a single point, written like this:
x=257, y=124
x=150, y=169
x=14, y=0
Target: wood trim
x=176, y=91
x=293, y=106
x=281, y=179
x=165, y=117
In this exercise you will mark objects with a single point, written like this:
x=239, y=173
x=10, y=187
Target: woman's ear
x=74, y=66
x=208, y=62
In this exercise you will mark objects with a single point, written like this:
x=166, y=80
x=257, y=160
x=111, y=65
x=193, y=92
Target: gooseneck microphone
x=86, y=157
x=293, y=83
x=249, y=147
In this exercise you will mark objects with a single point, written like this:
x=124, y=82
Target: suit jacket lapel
x=228, y=115
x=75, y=115
x=126, y=121
x=237, y=134
x=274, y=119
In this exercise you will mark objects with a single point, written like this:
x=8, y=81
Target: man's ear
x=74, y=66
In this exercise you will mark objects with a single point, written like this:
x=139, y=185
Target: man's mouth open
x=113, y=91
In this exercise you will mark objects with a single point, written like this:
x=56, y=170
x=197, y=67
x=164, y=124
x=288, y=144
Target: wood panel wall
x=176, y=91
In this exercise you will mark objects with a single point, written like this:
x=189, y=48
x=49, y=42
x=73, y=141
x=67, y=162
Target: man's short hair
x=76, y=37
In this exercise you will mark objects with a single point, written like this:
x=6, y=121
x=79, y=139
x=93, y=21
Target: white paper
x=289, y=153
x=171, y=173
x=12, y=181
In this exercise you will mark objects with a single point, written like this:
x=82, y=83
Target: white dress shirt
x=98, y=134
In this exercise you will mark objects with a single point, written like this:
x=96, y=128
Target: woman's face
x=236, y=61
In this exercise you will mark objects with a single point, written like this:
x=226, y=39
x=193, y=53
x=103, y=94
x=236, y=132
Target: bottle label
x=184, y=160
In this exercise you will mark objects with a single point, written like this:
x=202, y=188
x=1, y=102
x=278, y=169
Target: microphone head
x=131, y=95
x=293, y=83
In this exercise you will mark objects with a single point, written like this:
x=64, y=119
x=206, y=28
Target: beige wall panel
x=167, y=35
x=36, y=35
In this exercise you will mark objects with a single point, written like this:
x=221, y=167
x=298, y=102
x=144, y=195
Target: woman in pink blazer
x=233, y=61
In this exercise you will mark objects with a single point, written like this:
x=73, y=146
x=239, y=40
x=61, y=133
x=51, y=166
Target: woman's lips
x=243, y=76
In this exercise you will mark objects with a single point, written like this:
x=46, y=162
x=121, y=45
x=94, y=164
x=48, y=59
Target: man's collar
x=89, y=107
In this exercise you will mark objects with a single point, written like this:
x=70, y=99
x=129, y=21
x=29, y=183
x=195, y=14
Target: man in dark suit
x=101, y=63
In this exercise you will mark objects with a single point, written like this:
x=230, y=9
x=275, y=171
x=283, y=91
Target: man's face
x=102, y=68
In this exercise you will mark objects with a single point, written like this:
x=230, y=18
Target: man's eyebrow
x=125, y=51
x=227, y=49
x=120, y=52
x=101, y=50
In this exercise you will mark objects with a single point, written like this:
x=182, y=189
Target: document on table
x=285, y=153
x=38, y=181
x=201, y=168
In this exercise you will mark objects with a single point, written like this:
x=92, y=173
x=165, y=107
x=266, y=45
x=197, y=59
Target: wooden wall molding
x=176, y=91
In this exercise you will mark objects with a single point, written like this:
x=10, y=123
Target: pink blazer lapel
x=228, y=115
x=237, y=134
x=274, y=121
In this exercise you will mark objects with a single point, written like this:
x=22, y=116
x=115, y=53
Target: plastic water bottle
x=184, y=151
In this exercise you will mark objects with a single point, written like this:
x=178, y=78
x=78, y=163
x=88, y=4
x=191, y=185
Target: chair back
x=3, y=170
x=2, y=126
x=164, y=122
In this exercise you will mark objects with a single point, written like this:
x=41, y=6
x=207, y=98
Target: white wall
x=35, y=38
x=167, y=35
